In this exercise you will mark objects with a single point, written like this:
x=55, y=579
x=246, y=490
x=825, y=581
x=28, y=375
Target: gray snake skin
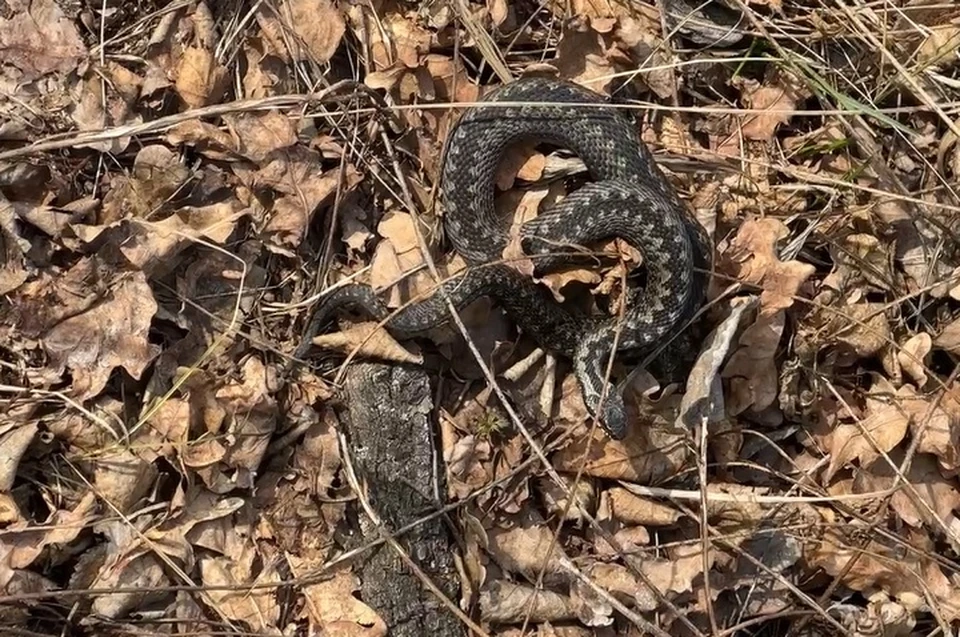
x=628, y=198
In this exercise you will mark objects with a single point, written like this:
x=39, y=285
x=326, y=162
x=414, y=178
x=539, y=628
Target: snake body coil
x=628, y=198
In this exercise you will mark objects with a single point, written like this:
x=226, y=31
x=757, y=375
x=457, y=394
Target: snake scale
x=628, y=198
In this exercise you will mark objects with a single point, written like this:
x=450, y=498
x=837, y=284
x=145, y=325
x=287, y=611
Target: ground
x=180, y=182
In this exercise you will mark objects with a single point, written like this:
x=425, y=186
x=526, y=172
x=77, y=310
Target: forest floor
x=181, y=181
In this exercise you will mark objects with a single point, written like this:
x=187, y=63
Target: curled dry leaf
x=862, y=328
x=157, y=174
x=598, y=10
x=12, y=250
x=703, y=400
x=128, y=565
x=14, y=442
x=640, y=38
x=939, y=46
x=752, y=370
x=912, y=357
x=354, y=231
x=209, y=140
x=527, y=549
x=557, y=503
x=24, y=543
x=779, y=95
x=200, y=78
x=292, y=214
x=154, y=247
x=915, y=242
x=584, y=57
x=936, y=425
x=253, y=409
x=752, y=258
x=522, y=162
x=318, y=458
x=860, y=257
x=468, y=465
x=503, y=602
x=949, y=338
x=318, y=25
x=667, y=576
x=632, y=509
x=398, y=254
x=241, y=415
x=652, y=451
x=876, y=566
x=390, y=38
x=397, y=262
x=367, y=340
x=97, y=106
x=174, y=418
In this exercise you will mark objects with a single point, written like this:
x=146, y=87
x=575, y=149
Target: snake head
x=614, y=418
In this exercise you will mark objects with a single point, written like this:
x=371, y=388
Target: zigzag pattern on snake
x=628, y=198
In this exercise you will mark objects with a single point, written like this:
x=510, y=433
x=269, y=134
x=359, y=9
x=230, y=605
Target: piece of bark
x=388, y=422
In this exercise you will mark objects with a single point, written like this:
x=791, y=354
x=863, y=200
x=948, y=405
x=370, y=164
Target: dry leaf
x=318, y=26
x=261, y=134
x=391, y=39
x=522, y=162
x=863, y=328
x=200, y=78
x=559, y=504
x=254, y=414
x=504, y=602
x=752, y=370
x=939, y=46
x=14, y=441
x=24, y=544
x=292, y=214
x=335, y=610
x=528, y=550
x=40, y=40
x=367, y=340
x=949, y=338
x=208, y=139
x=752, y=258
x=122, y=479
x=583, y=58
x=913, y=355
x=936, y=425
x=12, y=250
x=630, y=459
x=112, y=333
x=468, y=464
x=632, y=509
x=669, y=576
x=882, y=430
x=257, y=607
x=780, y=100
x=928, y=500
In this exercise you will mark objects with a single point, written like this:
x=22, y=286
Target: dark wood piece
x=388, y=422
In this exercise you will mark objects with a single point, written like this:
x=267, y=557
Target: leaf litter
x=804, y=478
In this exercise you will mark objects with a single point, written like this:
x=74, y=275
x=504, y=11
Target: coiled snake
x=628, y=198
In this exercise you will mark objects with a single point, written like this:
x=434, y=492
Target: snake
x=627, y=197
